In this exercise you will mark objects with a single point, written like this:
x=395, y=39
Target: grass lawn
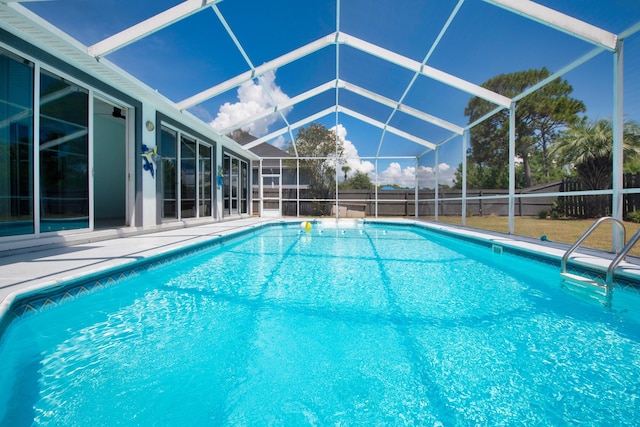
x=557, y=230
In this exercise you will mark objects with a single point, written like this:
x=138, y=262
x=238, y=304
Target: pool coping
x=51, y=290
x=111, y=268
x=592, y=261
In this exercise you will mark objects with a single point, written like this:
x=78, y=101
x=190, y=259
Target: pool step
x=584, y=287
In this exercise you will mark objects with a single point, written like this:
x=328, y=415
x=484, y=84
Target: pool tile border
x=31, y=302
x=621, y=281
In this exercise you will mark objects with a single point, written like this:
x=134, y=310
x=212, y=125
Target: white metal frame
x=602, y=39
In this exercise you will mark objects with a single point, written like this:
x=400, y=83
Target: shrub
x=633, y=216
x=542, y=214
x=557, y=210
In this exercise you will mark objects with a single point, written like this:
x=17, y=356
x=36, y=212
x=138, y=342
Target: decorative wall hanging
x=149, y=156
x=220, y=176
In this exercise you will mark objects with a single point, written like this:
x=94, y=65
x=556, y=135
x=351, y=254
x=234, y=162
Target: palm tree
x=588, y=146
x=346, y=170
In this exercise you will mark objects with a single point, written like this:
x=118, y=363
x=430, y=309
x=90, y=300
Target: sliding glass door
x=205, y=187
x=64, y=154
x=168, y=173
x=46, y=184
x=16, y=145
x=236, y=185
x=188, y=177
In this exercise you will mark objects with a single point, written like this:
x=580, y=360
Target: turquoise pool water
x=363, y=326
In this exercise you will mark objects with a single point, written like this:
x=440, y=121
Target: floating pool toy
x=306, y=226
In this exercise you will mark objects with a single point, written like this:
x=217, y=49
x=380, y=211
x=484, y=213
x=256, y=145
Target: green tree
x=587, y=147
x=359, y=181
x=540, y=116
x=319, y=151
x=480, y=177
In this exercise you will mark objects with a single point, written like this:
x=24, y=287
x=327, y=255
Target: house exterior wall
x=144, y=118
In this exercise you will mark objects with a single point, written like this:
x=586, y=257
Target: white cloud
x=280, y=142
x=351, y=154
x=395, y=173
x=253, y=99
x=405, y=177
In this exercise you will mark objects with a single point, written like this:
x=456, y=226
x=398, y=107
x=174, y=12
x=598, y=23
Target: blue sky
x=482, y=41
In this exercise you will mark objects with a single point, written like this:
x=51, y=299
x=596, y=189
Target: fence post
x=520, y=205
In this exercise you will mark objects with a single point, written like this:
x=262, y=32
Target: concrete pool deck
x=28, y=269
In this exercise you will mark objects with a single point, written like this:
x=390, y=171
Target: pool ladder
x=591, y=288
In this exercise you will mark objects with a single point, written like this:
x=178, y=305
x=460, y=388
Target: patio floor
x=37, y=267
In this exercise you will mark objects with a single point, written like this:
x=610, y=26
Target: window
x=186, y=174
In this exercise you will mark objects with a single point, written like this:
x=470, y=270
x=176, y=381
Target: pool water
x=364, y=326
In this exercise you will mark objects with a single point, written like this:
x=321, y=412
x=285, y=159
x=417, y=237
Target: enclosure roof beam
x=425, y=70
x=348, y=112
x=351, y=88
x=560, y=21
x=258, y=71
x=149, y=26
x=402, y=107
x=286, y=129
x=282, y=106
x=390, y=129
x=575, y=64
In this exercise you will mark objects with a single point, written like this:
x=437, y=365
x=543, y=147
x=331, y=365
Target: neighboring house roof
x=264, y=150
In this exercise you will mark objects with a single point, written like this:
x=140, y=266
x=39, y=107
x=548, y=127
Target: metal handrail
x=614, y=264
x=587, y=233
x=608, y=285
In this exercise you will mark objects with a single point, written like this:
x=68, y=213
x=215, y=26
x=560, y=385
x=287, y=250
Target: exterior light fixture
x=149, y=125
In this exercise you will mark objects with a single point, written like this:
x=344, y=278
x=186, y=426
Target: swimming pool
x=363, y=326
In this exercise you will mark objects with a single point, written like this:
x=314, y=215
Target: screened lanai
x=452, y=109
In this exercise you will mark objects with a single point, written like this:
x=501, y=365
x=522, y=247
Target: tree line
x=554, y=140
